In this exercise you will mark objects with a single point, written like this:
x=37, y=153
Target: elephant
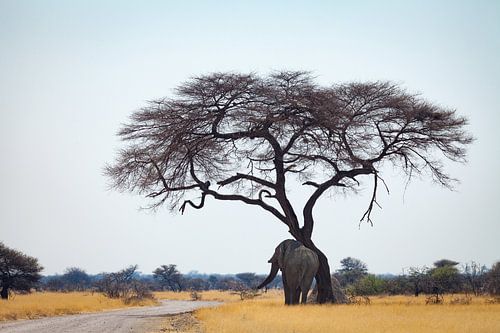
x=298, y=265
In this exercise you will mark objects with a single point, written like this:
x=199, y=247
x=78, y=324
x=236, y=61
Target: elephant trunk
x=271, y=276
x=5, y=292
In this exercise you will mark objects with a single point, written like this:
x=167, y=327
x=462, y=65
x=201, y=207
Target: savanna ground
x=48, y=304
x=266, y=313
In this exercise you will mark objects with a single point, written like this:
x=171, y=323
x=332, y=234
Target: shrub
x=493, y=280
x=369, y=285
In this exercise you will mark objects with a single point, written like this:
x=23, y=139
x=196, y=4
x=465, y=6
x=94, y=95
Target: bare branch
x=196, y=206
x=373, y=200
x=240, y=176
x=167, y=188
x=253, y=132
x=322, y=188
x=311, y=183
x=267, y=194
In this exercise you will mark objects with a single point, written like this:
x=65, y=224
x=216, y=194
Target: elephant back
x=303, y=258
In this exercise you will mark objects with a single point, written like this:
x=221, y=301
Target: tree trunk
x=324, y=280
x=4, y=293
x=323, y=277
x=304, y=234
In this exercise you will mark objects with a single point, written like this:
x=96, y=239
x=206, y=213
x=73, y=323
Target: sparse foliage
x=419, y=278
x=351, y=271
x=197, y=284
x=251, y=280
x=169, y=277
x=244, y=138
x=18, y=271
x=493, y=280
x=123, y=284
x=75, y=278
x=398, y=285
x=444, y=277
x=474, y=277
x=369, y=285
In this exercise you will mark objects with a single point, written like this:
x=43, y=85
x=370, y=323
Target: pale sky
x=71, y=72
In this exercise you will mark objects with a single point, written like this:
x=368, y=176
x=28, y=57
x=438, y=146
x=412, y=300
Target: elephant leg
x=296, y=296
x=305, y=287
x=291, y=295
x=287, y=296
x=305, y=291
x=286, y=289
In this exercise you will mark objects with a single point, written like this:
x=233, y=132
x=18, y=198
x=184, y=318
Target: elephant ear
x=281, y=251
x=274, y=258
x=280, y=254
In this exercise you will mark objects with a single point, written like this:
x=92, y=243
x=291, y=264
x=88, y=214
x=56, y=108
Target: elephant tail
x=271, y=276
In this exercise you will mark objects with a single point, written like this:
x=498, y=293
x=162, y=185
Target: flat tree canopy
x=18, y=271
x=245, y=138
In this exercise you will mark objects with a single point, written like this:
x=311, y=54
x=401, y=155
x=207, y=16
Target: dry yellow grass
x=48, y=304
x=384, y=314
x=211, y=295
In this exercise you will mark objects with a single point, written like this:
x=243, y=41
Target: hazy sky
x=72, y=71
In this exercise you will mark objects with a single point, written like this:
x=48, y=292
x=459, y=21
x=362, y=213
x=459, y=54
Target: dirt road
x=144, y=319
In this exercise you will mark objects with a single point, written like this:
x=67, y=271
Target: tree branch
x=204, y=186
x=199, y=206
x=167, y=188
x=240, y=176
x=373, y=200
x=334, y=181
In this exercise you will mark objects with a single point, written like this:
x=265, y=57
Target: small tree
x=444, y=277
x=493, y=280
x=249, y=279
x=168, y=277
x=75, y=278
x=119, y=284
x=369, y=285
x=474, y=277
x=213, y=281
x=351, y=270
x=18, y=271
x=54, y=283
x=418, y=277
x=196, y=284
x=398, y=285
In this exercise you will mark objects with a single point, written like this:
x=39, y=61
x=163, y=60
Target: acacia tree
x=351, y=270
x=17, y=271
x=75, y=278
x=245, y=138
x=168, y=277
x=444, y=277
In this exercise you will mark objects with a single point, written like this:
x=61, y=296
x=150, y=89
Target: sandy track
x=144, y=319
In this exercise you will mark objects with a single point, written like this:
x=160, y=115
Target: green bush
x=369, y=285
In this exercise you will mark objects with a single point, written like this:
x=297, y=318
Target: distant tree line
x=21, y=273
x=163, y=278
x=443, y=277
